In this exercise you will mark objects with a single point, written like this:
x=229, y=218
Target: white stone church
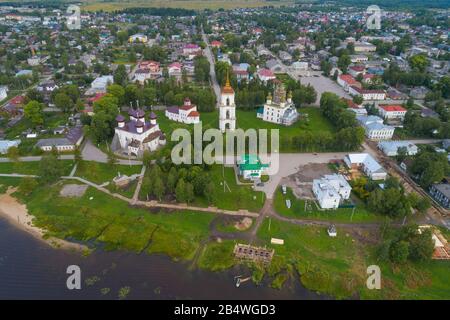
x=137, y=135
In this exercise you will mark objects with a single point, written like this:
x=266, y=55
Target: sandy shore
x=17, y=214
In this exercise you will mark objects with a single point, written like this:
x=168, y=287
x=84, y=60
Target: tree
x=158, y=188
x=172, y=179
x=117, y=91
x=33, y=111
x=419, y=62
x=421, y=245
x=62, y=101
x=189, y=192
x=180, y=191
x=399, y=252
x=402, y=153
x=13, y=154
x=210, y=191
x=27, y=186
x=120, y=75
x=50, y=169
x=112, y=158
x=343, y=62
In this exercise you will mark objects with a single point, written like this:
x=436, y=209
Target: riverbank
x=17, y=214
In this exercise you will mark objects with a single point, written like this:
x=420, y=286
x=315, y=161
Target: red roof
x=357, y=68
x=176, y=65
x=193, y=114
x=348, y=78
x=216, y=43
x=266, y=73
x=18, y=100
x=390, y=108
x=97, y=97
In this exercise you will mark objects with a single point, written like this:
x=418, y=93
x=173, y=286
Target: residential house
x=367, y=94
x=366, y=163
x=265, y=75
x=346, y=81
x=390, y=148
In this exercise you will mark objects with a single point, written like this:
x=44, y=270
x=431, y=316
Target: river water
x=30, y=269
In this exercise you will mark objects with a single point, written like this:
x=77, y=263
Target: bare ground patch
x=73, y=190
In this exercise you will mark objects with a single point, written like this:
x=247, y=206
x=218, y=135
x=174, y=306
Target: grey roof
x=443, y=188
x=53, y=142
x=74, y=134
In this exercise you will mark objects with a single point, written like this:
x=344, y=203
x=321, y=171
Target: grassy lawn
x=314, y=122
x=115, y=224
x=329, y=265
x=240, y=197
x=103, y=172
x=31, y=167
x=297, y=210
x=217, y=256
x=51, y=121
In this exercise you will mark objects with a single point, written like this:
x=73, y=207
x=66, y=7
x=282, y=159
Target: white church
x=227, y=108
x=279, y=109
x=137, y=135
x=187, y=113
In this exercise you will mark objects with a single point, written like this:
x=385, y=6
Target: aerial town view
x=222, y=150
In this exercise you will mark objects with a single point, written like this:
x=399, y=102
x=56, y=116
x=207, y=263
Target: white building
x=331, y=190
x=392, y=112
x=300, y=65
x=366, y=163
x=279, y=109
x=186, y=114
x=138, y=37
x=227, y=108
x=367, y=94
x=6, y=144
x=265, y=75
x=3, y=92
x=390, y=148
x=100, y=83
x=375, y=129
x=137, y=135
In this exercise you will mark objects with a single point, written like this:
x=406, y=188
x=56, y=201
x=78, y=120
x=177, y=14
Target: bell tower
x=227, y=108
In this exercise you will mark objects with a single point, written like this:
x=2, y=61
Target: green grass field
x=189, y=4
x=114, y=223
x=240, y=197
x=311, y=120
x=31, y=167
x=103, y=172
x=297, y=210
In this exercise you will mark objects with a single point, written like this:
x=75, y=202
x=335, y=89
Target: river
x=30, y=269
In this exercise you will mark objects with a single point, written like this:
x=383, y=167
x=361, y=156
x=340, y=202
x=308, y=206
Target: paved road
x=212, y=71
x=91, y=153
x=38, y=158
